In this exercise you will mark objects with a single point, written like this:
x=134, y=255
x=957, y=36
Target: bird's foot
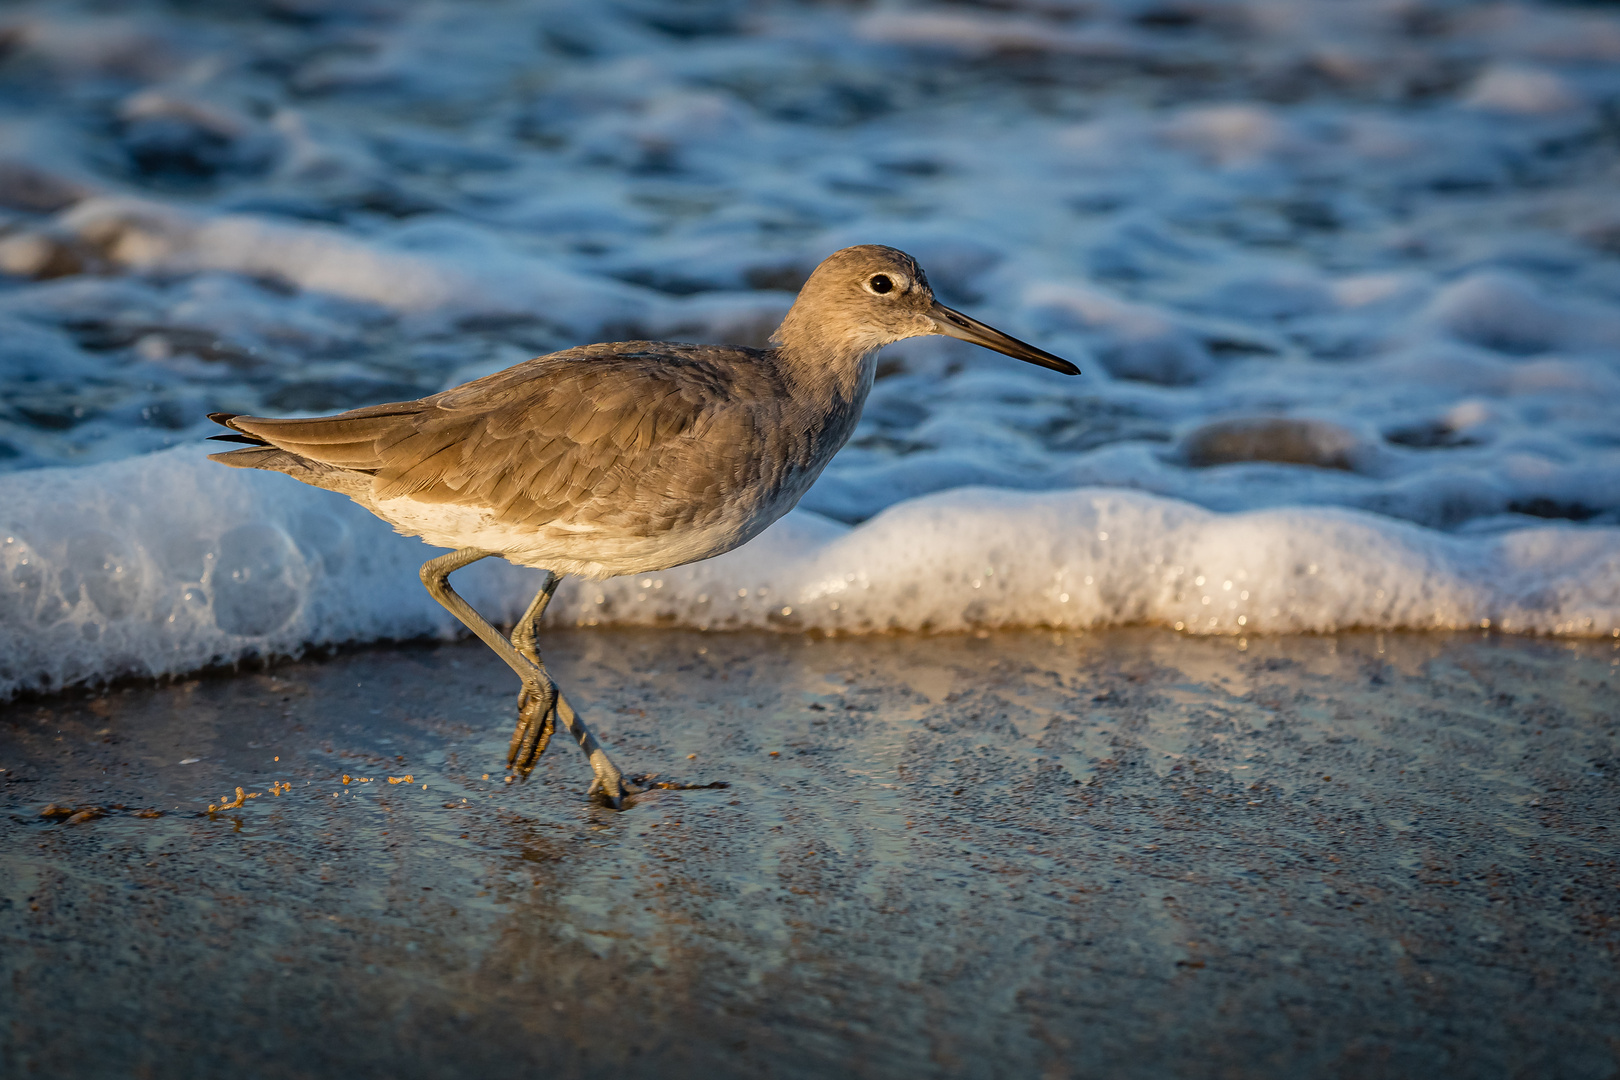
x=610, y=787
x=537, y=721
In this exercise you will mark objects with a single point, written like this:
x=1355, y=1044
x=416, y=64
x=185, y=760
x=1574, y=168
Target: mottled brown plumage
x=620, y=458
x=595, y=461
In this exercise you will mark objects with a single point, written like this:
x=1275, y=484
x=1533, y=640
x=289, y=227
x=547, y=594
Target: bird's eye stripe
x=880, y=283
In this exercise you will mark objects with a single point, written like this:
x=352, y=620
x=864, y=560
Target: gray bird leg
x=535, y=728
x=537, y=685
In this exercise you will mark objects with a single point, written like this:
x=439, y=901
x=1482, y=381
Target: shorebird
x=622, y=458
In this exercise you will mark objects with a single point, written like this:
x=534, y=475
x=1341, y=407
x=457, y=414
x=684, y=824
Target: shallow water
x=1125, y=853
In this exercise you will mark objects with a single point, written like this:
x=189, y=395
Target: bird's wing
x=574, y=437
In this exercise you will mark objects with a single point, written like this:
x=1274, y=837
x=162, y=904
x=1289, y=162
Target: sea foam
x=167, y=563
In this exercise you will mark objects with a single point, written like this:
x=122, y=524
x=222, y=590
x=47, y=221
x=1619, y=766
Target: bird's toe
x=537, y=721
x=613, y=793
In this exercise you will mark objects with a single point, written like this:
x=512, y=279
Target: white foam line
x=168, y=563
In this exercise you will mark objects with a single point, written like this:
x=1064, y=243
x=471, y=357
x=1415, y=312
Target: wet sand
x=1122, y=854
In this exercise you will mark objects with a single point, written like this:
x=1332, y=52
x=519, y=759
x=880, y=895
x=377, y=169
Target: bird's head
x=864, y=297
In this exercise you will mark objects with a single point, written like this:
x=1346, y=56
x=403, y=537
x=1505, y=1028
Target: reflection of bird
x=618, y=459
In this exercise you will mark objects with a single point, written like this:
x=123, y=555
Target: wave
x=167, y=563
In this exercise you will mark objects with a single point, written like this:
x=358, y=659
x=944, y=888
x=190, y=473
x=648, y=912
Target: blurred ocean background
x=1344, y=278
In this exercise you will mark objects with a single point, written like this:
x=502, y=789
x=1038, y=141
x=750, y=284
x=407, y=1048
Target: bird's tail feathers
x=315, y=473
x=237, y=435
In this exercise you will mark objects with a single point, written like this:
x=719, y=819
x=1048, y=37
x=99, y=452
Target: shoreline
x=1130, y=853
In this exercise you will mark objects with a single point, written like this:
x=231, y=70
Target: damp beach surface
x=1120, y=853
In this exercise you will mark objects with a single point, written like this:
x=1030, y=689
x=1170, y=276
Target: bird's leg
x=537, y=717
x=537, y=685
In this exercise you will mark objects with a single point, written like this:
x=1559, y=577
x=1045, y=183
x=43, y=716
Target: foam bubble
x=259, y=578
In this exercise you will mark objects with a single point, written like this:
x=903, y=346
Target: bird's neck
x=825, y=381
x=825, y=369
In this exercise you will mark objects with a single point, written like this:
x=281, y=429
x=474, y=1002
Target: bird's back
x=601, y=460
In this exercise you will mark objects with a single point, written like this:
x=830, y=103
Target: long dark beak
x=957, y=325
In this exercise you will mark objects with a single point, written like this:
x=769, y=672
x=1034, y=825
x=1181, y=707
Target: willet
x=622, y=458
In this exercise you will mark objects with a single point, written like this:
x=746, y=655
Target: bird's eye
x=880, y=284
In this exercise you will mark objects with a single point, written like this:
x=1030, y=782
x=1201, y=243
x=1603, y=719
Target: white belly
x=587, y=551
